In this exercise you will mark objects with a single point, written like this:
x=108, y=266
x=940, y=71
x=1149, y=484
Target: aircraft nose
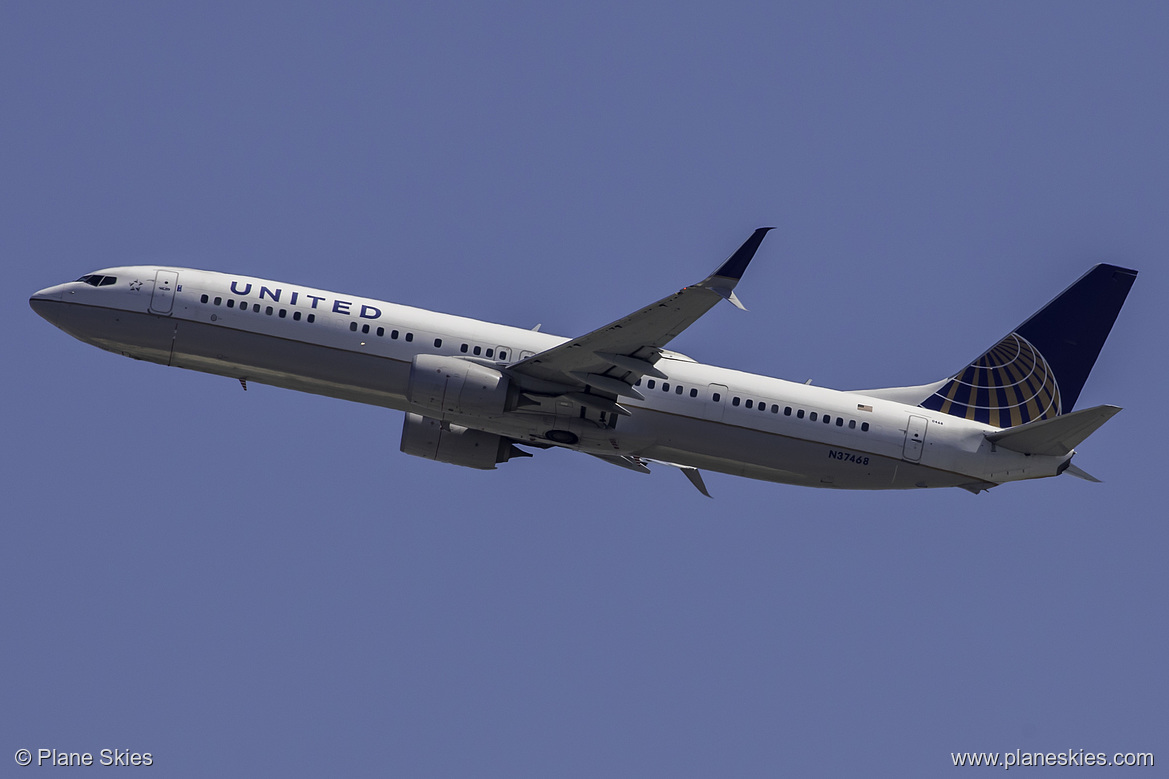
x=43, y=300
x=48, y=293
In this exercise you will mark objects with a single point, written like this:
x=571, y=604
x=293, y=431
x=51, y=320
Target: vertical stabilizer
x=1037, y=371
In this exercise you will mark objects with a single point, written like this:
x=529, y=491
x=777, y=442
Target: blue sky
x=261, y=583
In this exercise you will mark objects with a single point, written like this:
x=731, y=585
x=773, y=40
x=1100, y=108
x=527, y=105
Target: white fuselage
x=360, y=349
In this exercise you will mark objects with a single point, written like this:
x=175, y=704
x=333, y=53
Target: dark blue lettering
x=292, y=302
x=274, y=295
x=370, y=312
x=314, y=299
x=341, y=306
x=243, y=291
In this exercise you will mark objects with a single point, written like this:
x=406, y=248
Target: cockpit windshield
x=95, y=280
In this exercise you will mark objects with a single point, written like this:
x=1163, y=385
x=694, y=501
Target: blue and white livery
x=475, y=392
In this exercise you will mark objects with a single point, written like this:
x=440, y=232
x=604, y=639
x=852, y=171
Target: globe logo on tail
x=1011, y=384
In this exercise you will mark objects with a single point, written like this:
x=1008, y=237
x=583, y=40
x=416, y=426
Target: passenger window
x=353, y=326
x=865, y=427
x=774, y=409
x=311, y=318
x=812, y=416
x=365, y=329
x=409, y=336
x=852, y=424
x=268, y=311
x=477, y=350
x=800, y=414
x=840, y=422
x=748, y=404
x=203, y=298
x=463, y=348
x=693, y=393
x=283, y=313
x=296, y=316
x=381, y=331
x=218, y=301
x=827, y=419
x=665, y=386
x=437, y=343
x=230, y=303
x=735, y=401
x=716, y=397
x=762, y=406
x=490, y=352
x=678, y=390
x=502, y=354
x=394, y=334
x=651, y=384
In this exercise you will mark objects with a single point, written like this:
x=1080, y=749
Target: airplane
x=474, y=392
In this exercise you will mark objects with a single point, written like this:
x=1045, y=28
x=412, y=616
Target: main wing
x=598, y=368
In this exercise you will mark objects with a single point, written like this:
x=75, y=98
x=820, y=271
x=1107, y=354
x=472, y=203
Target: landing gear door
x=162, y=300
x=915, y=438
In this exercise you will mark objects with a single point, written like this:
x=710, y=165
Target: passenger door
x=162, y=300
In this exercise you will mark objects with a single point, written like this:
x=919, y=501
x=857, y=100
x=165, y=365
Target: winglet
x=723, y=280
x=692, y=474
x=736, y=264
x=695, y=478
x=1080, y=473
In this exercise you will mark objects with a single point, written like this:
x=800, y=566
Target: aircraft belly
x=281, y=362
x=757, y=454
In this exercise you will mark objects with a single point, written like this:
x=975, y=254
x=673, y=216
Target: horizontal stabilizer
x=1056, y=436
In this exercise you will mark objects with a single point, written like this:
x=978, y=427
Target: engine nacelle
x=455, y=444
x=447, y=385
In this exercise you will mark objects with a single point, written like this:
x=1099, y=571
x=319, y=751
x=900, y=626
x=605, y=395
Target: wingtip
x=737, y=263
x=1080, y=473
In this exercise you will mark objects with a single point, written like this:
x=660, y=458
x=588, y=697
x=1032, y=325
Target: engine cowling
x=455, y=444
x=443, y=385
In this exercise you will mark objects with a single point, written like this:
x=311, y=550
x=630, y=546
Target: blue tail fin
x=1038, y=370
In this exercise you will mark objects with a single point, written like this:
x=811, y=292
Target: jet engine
x=454, y=444
x=449, y=385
